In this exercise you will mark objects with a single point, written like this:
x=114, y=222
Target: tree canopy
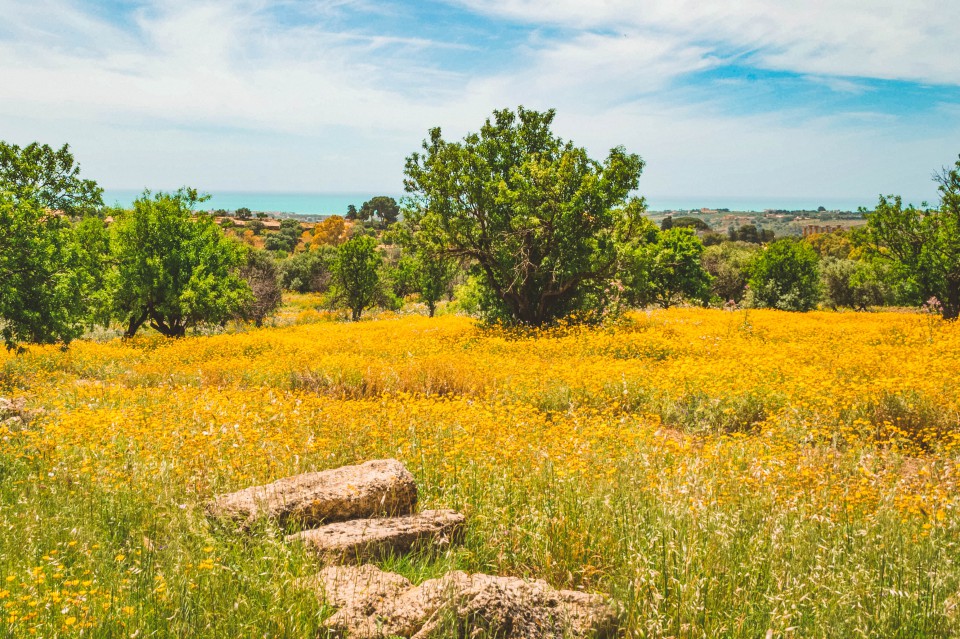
x=538, y=218
x=924, y=244
x=673, y=268
x=173, y=267
x=382, y=209
x=43, y=284
x=48, y=177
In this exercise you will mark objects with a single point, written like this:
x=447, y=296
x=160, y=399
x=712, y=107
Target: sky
x=754, y=98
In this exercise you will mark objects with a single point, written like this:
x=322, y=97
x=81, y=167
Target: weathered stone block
x=365, y=539
x=378, y=488
x=374, y=604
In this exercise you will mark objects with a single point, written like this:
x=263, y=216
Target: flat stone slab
x=366, y=539
x=374, y=604
x=378, y=488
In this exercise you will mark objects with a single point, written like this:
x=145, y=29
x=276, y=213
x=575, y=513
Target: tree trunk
x=135, y=324
x=951, y=305
x=174, y=328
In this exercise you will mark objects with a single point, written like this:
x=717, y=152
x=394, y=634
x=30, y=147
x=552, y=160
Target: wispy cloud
x=331, y=95
x=885, y=39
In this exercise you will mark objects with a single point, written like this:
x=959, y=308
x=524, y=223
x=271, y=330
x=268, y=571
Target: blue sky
x=840, y=99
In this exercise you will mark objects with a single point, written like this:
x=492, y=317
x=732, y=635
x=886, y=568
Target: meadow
x=744, y=473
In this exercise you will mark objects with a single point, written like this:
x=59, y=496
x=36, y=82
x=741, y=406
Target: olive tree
x=536, y=216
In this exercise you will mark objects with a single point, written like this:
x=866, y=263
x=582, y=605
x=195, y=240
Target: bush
x=671, y=270
x=728, y=264
x=263, y=277
x=309, y=271
x=855, y=284
x=785, y=276
x=42, y=279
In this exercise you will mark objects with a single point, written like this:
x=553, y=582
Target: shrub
x=785, y=276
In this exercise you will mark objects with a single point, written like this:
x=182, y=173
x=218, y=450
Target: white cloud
x=884, y=39
x=222, y=95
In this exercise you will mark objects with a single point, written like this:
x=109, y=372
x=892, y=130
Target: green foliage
x=173, y=268
x=728, y=263
x=356, y=274
x=243, y=213
x=837, y=245
x=785, y=276
x=286, y=239
x=262, y=275
x=308, y=271
x=468, y=296
x=856, y=284
x=540, y=221
x=434, y=276
x=694, y=223
x=671, y=269
x=749, y=233
x=43, y=282
x=48, y=177
x=91, y=240
x=423, y=268
x=923, y=245
x=381, y=209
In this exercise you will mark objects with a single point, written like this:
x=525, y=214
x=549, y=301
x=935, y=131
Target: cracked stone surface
x=366, y=539
x=374, y=604
x=378, y=488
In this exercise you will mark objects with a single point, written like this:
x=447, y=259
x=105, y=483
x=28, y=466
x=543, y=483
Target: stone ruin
x=355, y=514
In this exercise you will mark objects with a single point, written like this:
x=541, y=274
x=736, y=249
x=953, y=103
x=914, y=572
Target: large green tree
x=538, y=218
x=382, y=209
x=44, y=285
x=49, y=177
x=924, y=244
x=173, y=267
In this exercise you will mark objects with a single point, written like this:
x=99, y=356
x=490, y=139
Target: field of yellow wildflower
x=721, y=474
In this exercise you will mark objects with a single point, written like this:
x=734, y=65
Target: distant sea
x=297, y=203
x=336, y=203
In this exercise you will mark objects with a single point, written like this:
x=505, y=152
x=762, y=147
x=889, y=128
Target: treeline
x=511, y=223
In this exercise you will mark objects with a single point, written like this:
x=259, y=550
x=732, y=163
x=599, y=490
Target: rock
x=366, y=539
x=13, y=413
x=382, y=487
x=374, y=604
x=341, y=585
